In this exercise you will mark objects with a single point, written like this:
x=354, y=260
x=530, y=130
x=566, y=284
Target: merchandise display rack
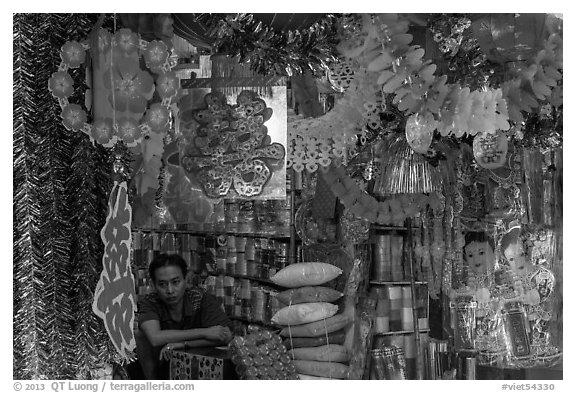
x=407, y=260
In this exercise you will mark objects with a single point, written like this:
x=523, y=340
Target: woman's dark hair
x=162, y=260
x=478, y=237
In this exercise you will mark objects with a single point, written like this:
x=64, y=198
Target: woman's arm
x=165, y=351
x=212, y=335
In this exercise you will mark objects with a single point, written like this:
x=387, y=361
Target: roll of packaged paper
x=388, y=363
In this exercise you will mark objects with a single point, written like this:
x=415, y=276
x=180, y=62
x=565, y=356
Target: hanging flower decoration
x=61, y=84
x=126, y=41
x=129, y=86
x=73, y=117
x=157, y=117
x=167, y=85
x=128, y=131
x=73, y=54
x=156, y=55
x=103, y=132
x=103, y=41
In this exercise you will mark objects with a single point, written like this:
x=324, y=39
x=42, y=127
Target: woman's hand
x=165, y=351
x=218, y=333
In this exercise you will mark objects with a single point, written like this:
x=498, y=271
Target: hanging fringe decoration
x=404, y=171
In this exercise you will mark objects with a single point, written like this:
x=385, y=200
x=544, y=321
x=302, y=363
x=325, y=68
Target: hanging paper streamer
x=115, y=296
x=318, y=142
x=341, y=73
x=392, y=211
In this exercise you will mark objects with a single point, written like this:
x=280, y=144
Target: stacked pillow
x=313, y=331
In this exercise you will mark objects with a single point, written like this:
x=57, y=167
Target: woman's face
x=480, y=257
x=170, y=284
x=516, y=256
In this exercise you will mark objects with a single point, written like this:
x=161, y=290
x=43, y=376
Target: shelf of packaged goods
x=213, y=233
x=374, y=282
x=400, y=332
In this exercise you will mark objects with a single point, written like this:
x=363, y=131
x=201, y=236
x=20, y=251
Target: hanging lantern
x=419, y=131
x=490, y=149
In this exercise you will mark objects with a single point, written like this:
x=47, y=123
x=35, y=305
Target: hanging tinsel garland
x=269, y=51
x=27, y=363
x=48, y=329
x=60, y=181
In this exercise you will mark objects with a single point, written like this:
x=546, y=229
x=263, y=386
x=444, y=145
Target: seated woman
x=175, y=317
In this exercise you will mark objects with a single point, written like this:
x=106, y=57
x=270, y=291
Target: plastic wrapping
x=388, y=363
x=306, y=274
x=298, y=314
x=309, y=294
x=362, y=339
x=261, y=355
x=463, y=318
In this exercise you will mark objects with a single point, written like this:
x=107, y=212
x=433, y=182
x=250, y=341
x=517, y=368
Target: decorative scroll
x=229, y=150
x=115, y=296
